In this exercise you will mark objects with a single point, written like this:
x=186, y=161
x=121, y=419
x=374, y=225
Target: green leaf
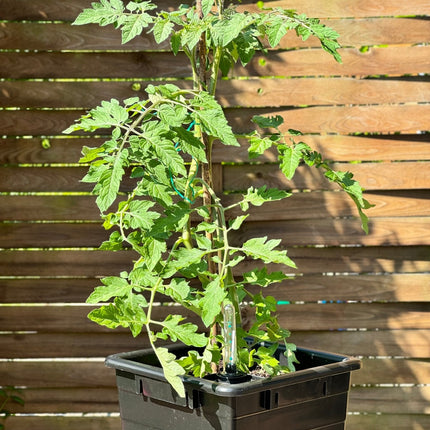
x=290, y=157
x=258, y=145
x=162, y=30
x=190, y=144
x=258, y=196
x=276, y=31
x=125, y=312
x=262, y=278
x=186, y=333
x=103, y=13
x=228, y=28
x=258, y=248
x=268, y=122
x=236, y=223
x=210, y=303
x=114, y=286
x=172, y=370
x=210, y=116
x=110, y=180
x=178, y=289
x=140, y=216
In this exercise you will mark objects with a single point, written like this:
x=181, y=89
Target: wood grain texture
x=87, y=263
x=38, y=36
x=405, y=231
x=409, y=203
x=333, y=147
x=385, y=343
x=394, y=61
x=255, y=92
x=73, y=318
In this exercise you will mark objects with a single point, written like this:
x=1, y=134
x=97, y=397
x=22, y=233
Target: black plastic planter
x=314, y=397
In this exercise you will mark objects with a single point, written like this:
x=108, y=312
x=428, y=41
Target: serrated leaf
x=259, y=196
x=236, y=223
x=141, y=216
x=190, y=144
x=178, y=289
x=262, y=278
x=212, y=300
x=114, y=286
x=263, y=249
x=258, y=145
x=186, y=333
x=122, y=313
x=134, y=25
x=290, y=158
x=268, y=122
x=171, y=369
x=162, y=30
x=109, y=182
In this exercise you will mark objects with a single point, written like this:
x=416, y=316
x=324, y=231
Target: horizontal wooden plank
x=388, y=421
x=330, y=232
x=52, y=9
x=69, y=9
x=61, y=422
x=384, y=343
x=254, y=92
x=356, y=315
x=68, y=400
x=394, y=61
x=332, y=147
x=391, y=288
x=384, y=259
x=93, y=65
x=410, y=203
x=372, y=176
x=389, y=371
x=354, y=8
x=388, y=400
x=341, y=119
x=66, y=318
x=74, y=374
x=42, y=345
x=407, y=118
x=63, y=36
x=307, y=288
x=399, y=343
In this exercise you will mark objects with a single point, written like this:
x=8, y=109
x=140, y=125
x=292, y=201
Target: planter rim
x=336, y=364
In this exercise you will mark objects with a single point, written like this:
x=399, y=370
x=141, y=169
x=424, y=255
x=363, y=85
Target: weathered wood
x=69, y=9
x=383, y=343
x=332, y=147
x=334, y=119
x=372, y=176
x=386, y=343
x=39, y=36
x=369, y=288
x=388, y=421
x=356, y=8
x=61, y=422
x=60, y=319
x=407, y=203
x=248, y=93
x=42, y=345
x=307, y=288
x=387, y=400
x=68, y=400
x=329, y=232
x=383, y=259
x=394, y=61
x=389, y=370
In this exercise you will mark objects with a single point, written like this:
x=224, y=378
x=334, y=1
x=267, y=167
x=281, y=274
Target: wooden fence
x=355, y=294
